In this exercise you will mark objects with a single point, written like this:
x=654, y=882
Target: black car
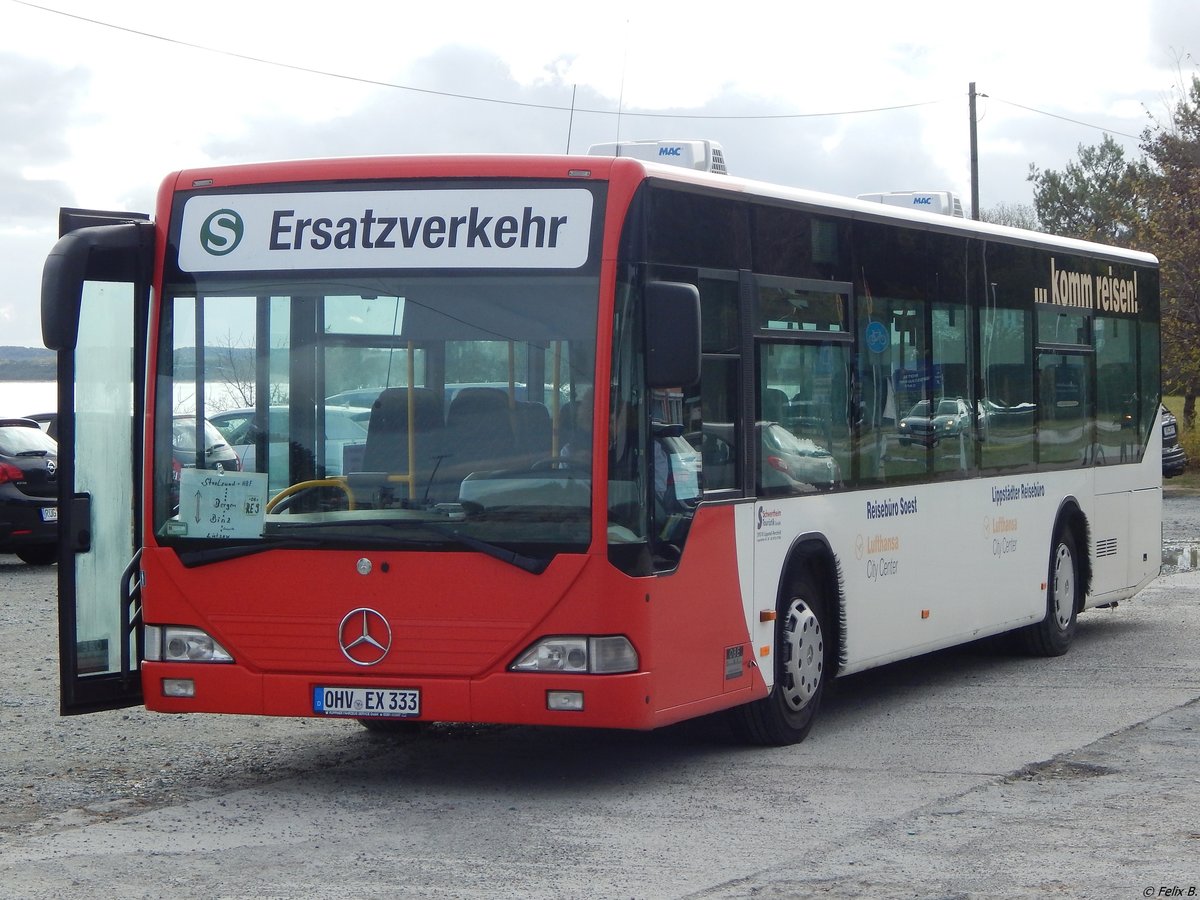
x=28, y=492
x=1174, y=459
x=48, y=422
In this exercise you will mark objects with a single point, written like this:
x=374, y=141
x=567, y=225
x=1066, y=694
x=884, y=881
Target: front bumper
x=1174, y=461
x=609, y=701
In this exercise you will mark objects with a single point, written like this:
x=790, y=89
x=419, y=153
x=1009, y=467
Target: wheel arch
x=1071, y=517
x=812, y=552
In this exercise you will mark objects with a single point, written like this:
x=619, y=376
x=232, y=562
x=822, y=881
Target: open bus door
x=95, y=302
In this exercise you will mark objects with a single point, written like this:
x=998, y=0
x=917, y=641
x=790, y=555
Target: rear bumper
x=609, y=701
x=21, y=523
x=1174, y=461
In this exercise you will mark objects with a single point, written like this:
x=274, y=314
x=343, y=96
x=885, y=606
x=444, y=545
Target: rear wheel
x=1052, y=636
x=38, y=554
x=802, y=657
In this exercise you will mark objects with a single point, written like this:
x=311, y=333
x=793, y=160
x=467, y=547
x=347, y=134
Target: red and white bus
x=639, y=443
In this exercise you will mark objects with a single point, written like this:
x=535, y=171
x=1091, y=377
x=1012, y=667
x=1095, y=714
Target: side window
x=1064, y=435
x=897, y=381
x=957, y=408
x=955, y=415
x=1009, y=402
x=802, y=429
x=1118, y=437
x=1008, y=405
x=710, y=411
x=718, y=435
x=802, y=426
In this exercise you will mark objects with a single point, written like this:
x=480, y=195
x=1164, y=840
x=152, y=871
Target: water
x=23, y=398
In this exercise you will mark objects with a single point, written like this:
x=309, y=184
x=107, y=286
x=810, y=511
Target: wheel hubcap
x=803, y=655
x=1064, y=586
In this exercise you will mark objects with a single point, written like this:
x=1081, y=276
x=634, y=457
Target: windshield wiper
x=193, y=558
x=529, y=563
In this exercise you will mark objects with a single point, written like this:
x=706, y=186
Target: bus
x=644, y=443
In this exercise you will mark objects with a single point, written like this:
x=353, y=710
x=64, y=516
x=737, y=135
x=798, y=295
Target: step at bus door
x=95, y=296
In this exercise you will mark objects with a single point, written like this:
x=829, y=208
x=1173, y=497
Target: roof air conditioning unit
x=943, y=202
x=702, y=156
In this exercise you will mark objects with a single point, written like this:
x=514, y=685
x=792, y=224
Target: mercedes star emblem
x=364, y=636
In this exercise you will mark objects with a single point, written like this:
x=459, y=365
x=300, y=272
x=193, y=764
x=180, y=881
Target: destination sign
x=405, y=229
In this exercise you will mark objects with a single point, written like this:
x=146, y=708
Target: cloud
x=37, y=108
x=1175, y=32
x=37, y=103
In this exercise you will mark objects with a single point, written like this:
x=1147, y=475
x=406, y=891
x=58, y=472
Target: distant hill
x=27, y=364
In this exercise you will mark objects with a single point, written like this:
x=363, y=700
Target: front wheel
x=1052, y=636
x=802, y=666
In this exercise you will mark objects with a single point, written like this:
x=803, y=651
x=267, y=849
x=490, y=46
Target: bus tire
x=803, y=656
x=1052, y=636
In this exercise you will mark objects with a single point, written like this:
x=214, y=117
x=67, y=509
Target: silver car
x=345, y=437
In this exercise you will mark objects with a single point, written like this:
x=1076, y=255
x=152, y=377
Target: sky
x=100, y=100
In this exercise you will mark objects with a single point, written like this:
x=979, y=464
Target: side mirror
x=122, y=253
x=672, y=334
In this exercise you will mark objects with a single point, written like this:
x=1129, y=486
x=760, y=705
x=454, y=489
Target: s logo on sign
x=221, y=232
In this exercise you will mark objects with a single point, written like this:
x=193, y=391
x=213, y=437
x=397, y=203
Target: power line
x=1042, y=112
x=546, y=106
x=478, y=99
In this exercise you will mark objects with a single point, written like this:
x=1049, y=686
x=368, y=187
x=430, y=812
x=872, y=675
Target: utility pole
x=974, y=156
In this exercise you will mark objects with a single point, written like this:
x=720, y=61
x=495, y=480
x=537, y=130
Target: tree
x=1097, y=198
x=1016, y=215
x=1173, y=233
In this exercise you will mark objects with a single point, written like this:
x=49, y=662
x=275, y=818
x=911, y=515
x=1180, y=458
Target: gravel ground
x=965, y=774
x=55, y=770
x=60, y=772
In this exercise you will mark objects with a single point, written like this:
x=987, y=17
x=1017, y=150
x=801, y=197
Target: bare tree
x=1016, y=215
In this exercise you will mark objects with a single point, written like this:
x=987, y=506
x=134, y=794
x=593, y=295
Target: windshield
x=921, y=409
x=423, y=411
x=25, y=440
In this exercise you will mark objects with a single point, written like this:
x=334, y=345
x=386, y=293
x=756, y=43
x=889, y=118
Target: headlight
x=579, y=655
x=173, y=643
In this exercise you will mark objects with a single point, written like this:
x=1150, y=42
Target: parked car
x=345, y=438
x=788, y=464
x=794, y=464
x=950, y=418
x=217, y=454
x=47, y=421
x=28, y=492
x=1174, y=458
x=362, y=397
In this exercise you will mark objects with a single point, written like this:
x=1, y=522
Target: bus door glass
x=101, y=401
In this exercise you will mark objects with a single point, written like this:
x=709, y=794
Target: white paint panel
x=928, y=566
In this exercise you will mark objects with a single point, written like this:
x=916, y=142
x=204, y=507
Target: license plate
x=361, y=703
x=49, y=513
x=1168, y=432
